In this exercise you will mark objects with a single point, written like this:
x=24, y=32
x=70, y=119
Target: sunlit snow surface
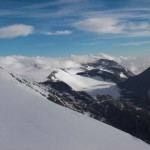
x=30, y=122
x=93, y=86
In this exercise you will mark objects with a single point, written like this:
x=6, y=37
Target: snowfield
x=93, y=86
x=31, y=122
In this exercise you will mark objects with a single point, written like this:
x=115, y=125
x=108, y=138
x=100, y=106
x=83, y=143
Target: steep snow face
x=28, y=122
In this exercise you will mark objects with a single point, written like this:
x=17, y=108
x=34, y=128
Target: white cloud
x=100, y=25
x=115, y=26
x=63, y=32
x=15, y=31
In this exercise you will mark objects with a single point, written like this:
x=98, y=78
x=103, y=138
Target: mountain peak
x=147, y=70
x=145, y=75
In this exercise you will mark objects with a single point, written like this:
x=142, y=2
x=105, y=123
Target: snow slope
x=30, y=122
x=93, y=86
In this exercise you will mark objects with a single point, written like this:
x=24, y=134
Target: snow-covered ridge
x=23, y=83
x=29, y=121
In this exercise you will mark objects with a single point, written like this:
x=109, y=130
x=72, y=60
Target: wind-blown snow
x=30, y=122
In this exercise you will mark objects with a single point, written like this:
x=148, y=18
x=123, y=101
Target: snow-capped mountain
x=100, y=81
x=89, y=84
x=93, y=86
x=29, y=121
x=135, y=64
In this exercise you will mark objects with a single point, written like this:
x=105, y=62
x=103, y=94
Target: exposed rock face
x=128, y=118
x=137, y=89
x=108, y=70
x=111, y=66
x=103, y=74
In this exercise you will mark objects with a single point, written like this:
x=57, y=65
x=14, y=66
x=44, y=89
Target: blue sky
x=63, y=27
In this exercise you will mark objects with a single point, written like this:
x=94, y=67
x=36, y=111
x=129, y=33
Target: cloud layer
x=100, y=25
x=16, y=30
